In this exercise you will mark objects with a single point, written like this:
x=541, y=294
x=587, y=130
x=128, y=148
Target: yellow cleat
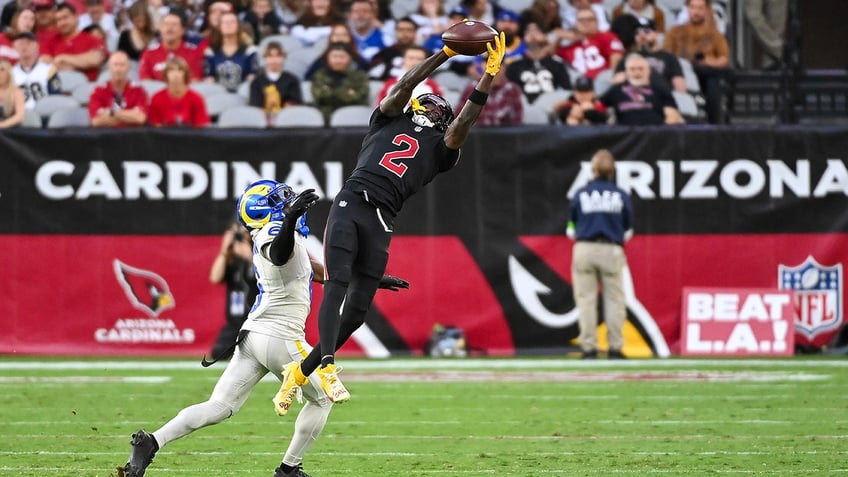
x=293, y=379
x=332, y=385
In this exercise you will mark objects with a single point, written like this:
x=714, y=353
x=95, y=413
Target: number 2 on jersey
x=391, y=160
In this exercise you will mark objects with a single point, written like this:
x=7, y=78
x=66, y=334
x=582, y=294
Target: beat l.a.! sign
x=737, y=322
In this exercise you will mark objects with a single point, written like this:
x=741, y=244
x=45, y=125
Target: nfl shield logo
x=818, y=299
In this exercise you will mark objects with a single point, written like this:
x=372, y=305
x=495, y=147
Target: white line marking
x=85, y=379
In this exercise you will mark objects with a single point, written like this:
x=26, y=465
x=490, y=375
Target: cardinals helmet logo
x=146, y=290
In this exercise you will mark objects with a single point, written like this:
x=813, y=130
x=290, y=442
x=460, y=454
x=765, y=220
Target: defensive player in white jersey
x=271, y=337
x=35, y=77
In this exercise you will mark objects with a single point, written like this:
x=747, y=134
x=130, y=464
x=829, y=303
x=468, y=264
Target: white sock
x=308, y=426
x=191, y=419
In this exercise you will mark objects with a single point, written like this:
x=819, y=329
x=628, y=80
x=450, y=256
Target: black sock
x=328, y=359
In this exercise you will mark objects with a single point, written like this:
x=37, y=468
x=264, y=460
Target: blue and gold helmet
x=263, y=201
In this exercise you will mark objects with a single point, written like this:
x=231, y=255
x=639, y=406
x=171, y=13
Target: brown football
x=469, y=37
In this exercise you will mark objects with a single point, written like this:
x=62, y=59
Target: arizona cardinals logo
x=146, y=290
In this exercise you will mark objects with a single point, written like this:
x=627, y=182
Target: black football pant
x=356, y=250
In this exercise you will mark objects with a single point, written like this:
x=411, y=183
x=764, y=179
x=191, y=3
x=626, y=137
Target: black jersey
x=398, y=158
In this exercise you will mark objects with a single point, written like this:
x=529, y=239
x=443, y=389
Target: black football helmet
x=430, y=110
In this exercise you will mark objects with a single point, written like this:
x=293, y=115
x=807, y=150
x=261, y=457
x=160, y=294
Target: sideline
x=440, y=364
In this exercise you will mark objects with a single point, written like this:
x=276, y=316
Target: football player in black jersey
x=408, y=144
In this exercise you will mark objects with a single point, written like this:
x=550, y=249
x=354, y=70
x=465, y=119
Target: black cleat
x=589, y=355
x=615, y=354
x=295, y=472
x=144, y=447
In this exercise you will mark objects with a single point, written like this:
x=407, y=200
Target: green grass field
x=417, y=417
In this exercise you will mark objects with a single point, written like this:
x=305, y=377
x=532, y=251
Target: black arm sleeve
x=283, y=245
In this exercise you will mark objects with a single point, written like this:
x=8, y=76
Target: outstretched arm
x=283, y=244
x=459, y=128
x=393, y=104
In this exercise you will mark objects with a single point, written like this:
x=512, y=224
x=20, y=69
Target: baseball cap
x=647, y=23
x=583, y=83
x=507, y=15
x=458, y=11
x=43, y=4
x=25, y=34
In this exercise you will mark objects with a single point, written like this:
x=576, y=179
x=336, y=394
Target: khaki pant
x=593, y=263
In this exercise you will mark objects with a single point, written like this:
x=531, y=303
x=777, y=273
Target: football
x=469, y=37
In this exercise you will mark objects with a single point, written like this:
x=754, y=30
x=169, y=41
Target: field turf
x=450, y=418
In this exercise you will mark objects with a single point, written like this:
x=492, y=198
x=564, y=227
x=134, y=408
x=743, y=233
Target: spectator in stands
x=9, y=10
x=229, y=60
x=664, y=65
x=118, y=102
x=583, y=107
x=504, y=106
x=507, y=22
x=73, y=49
x=388, y=62
x=646, y=9
x=545, y=14
x=154, y=59
x=434, y=41
x=716, y=14
x=273, y=88
x=45, y=22
x=212, y=20
x=411, y=57
x=481, y=11
x=288, y=11
x=35, y=77
x=22, y=21
x=637, y=101
x=365, y=28
x=177, y=104
x=431, y=20
x=768, y=22
x=12, y=100
x=336, y=84
x=263, y=20
x=592, y=50
x=315, y=24
x=538, y=71
x=95, y=13
x=339, y=33
x=706, y=48
x=571, y=7
x=135, y=39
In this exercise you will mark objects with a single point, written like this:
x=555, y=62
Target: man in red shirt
x=73, y=49
x=45, y=23
x=172, y=30
x=177, y=104
x=592, y=51
x=118, y=102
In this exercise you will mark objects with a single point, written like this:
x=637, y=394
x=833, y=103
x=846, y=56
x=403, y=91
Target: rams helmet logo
x=263, y=201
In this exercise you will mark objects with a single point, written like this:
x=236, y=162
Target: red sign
x=737, y=321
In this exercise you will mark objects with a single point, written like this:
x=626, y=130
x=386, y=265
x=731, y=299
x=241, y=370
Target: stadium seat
x=547, y=100
x=685, y=104
x=452, y=97
x=243, y=117
x=71, y=79
x=244, y=90
x=289, y=43
x=31, y=119
x=207, y=89
x=152, y=86
x=306, y=92
x=692, y=84
x=535, y=115
x=374, y=87
x=46, y=106
x=351, y=116
x=218, y=103
x=451, y=80
x=299, y=116
x=603, y=81
x=82, y=93
x=76, y=117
